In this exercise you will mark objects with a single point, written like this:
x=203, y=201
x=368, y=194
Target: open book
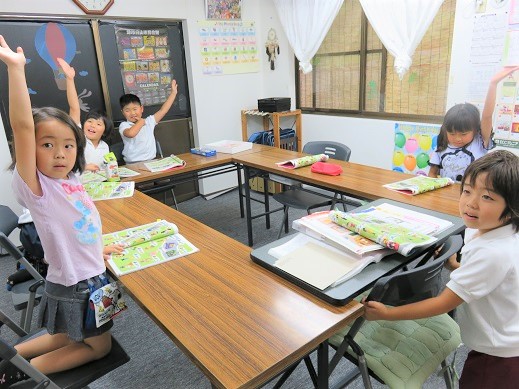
x=109, y=190
x=166, y=163
x=100, y=176
x=303, y=161
x=147, y=245
x=419, y=184
x=397, y=228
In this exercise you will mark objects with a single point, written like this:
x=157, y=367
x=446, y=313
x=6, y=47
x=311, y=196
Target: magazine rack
x=345, y=292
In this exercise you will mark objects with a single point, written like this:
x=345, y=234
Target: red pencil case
x=330, y=169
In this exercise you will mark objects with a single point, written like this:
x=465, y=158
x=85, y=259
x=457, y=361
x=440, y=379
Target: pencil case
x=205, y=151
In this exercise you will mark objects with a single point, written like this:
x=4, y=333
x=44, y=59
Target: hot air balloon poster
x=144, y=57
x=413, y=145
x=43, y=42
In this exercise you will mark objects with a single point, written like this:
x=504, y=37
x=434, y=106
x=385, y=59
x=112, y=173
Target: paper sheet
x=315, y=263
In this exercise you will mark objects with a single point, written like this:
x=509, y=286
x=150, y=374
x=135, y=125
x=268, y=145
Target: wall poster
x=228, y=47
x=144, y=56
x=414, y=144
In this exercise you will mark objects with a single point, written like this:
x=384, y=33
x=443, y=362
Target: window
x=354, y=75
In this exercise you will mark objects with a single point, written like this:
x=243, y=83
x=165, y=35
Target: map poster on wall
x=228, y=47
x=414, y=143
x=144, y=56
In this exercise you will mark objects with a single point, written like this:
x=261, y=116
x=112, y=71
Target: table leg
x=240, y=190
x=247, y=204
x=322, y=365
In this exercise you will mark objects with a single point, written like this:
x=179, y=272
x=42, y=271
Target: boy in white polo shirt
x=486, y=285
x=138, y=133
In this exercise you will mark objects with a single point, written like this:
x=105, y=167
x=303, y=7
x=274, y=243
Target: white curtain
x=401, y=25
x=306, y=23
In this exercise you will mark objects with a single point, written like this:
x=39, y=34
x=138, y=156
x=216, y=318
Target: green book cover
x=419, y=184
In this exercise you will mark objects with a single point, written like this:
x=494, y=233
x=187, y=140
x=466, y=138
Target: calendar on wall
x=228, y=47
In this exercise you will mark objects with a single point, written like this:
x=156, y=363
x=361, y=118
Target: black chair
x=117, y=149
x=76, y=378
x=399, y=353
x=25, y=295
x=304, y=197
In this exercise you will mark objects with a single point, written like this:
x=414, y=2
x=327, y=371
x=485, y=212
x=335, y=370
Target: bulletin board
x=116, y=40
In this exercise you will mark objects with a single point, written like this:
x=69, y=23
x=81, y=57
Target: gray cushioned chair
x=403, y=354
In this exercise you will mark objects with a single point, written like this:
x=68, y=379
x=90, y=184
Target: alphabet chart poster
x=228, y=47
x=413, y=145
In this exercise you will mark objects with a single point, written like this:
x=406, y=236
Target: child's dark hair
x=129, y=98
x=460, y=118
x=502, y=168
x=50, y=113
x=100, y=115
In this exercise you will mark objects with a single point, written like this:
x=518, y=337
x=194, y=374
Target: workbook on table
x=166, y=163
x=147, y=245
x=419, y=184
x=303, y=161
x=109, y=190
x=394, y=227
x=100, y=176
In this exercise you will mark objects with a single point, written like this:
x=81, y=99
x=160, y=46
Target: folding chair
x=78, y=377
x=402, y=354
x=25, y=295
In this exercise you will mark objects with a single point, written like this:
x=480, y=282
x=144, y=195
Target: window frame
x=362, y=112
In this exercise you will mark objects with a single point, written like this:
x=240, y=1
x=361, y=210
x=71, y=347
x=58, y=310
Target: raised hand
x=503, y=73
x=67, y=69
x=8, y=56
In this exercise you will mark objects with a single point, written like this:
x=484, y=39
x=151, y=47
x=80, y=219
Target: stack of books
x=334, y=246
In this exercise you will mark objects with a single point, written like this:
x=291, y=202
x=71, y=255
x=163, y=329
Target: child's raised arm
x=490, y=102
x=72, y=99
x=20, y=115
x=168, y=103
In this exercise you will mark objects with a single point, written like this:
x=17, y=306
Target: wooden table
x=357, y=180
x=239, y=323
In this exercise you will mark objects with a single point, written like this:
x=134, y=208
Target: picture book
x=109, y=190
x=159, y=165
x=394, y=227
x=419, y=184
x=319, y=225
x=100, y=176
x=89, y=176
x=303, y=161
x=147, y=245
x=318, y=263
x=229, y=146
x=125, y=172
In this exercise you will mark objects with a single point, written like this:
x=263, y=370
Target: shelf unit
x=276, y=119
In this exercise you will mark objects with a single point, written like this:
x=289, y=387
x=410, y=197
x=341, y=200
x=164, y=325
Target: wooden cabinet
x=275, y=118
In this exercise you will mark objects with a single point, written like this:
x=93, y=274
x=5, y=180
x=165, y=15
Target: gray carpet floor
x=155, y=360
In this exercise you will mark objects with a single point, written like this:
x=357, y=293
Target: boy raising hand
x=138, y=133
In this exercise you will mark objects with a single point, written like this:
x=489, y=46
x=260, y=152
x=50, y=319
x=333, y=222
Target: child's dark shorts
x=485, y=371
x=63, y=310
